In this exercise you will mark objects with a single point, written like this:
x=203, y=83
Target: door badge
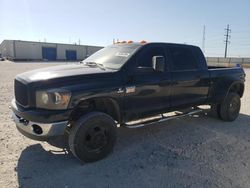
x=130, y=89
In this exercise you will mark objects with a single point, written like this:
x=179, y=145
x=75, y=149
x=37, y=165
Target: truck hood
x=60, y=71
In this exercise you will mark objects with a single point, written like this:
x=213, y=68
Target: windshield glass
x=113, y=56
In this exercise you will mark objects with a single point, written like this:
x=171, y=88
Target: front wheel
x=92, y=137
x=230, y=107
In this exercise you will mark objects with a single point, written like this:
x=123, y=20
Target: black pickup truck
x=118, y=86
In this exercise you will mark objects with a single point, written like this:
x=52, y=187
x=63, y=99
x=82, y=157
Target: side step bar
x=158, y=119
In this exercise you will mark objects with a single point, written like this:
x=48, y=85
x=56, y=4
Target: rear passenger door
x=189, y=82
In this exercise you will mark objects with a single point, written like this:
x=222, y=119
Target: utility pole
x=227, y=39
x=203, y=39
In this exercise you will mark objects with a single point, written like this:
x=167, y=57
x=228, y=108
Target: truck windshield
x=112, y=57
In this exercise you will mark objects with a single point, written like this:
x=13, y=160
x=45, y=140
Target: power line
x=227, y=37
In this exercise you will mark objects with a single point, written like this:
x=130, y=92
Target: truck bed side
x=222, y=80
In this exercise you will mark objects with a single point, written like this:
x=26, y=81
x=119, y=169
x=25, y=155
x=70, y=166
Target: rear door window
x=183, y=59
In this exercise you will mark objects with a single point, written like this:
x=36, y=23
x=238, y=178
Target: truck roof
x=134, y=44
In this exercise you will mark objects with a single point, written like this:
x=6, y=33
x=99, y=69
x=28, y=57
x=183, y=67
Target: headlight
x=53, y=99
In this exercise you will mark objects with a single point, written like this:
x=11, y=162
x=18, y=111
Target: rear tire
x=215, y=111
x=230, y=107
x=92, y=137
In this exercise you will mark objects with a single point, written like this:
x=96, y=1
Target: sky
x=96, y=22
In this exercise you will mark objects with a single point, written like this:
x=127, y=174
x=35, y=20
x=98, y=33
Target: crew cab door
x=147, y=91
x=190, y=83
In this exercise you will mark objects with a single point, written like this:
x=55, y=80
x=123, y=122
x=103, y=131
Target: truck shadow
x=185, y=152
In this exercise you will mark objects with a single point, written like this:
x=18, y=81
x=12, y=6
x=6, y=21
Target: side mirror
x=158, y=63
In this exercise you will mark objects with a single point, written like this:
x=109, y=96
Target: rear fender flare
x=221, y=90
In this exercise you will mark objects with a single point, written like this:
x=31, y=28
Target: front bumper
x=40, y=115
x=37, y=130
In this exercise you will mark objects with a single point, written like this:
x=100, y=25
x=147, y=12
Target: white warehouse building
x=36, y=51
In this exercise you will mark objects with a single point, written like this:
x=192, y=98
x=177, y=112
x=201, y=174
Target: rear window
x=183, y=59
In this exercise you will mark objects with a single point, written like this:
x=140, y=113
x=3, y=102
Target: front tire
x=230, y=107
x=92, y=137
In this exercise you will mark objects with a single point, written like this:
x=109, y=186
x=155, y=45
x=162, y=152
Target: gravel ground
x=194, y=151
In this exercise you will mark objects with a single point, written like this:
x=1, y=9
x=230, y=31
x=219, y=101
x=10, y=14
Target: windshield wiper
x=93, y=64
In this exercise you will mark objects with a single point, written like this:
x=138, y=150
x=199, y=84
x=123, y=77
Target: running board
x=163, y=118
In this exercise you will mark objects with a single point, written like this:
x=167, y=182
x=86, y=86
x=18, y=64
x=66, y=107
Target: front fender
x=106, y=104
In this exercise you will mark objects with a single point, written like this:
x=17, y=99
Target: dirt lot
x=188, y=152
